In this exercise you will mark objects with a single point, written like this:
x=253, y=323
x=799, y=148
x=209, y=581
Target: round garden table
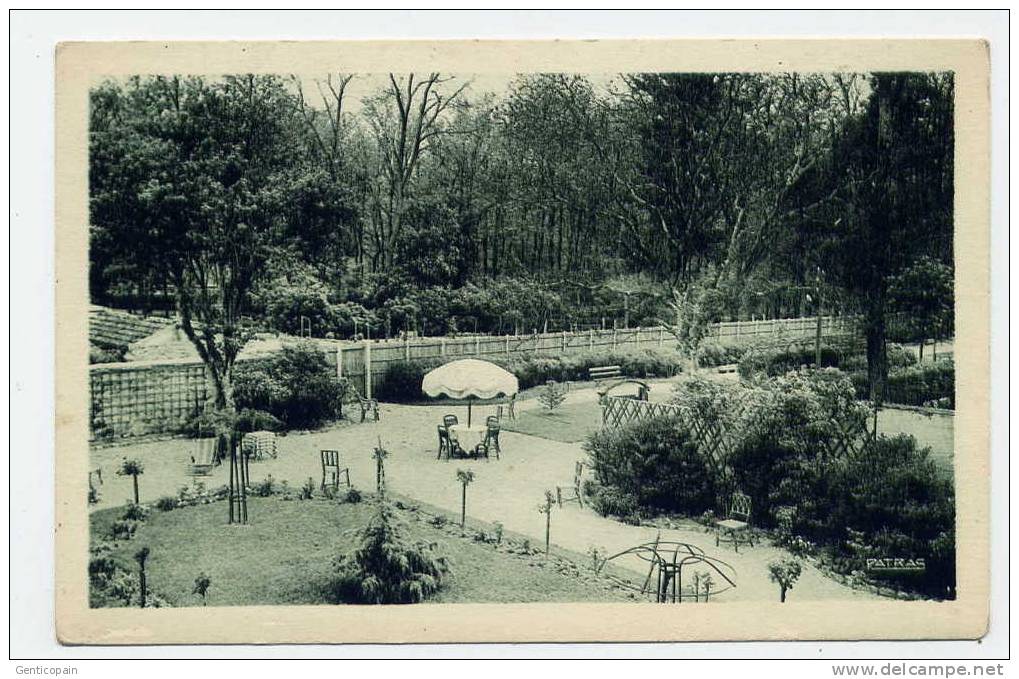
x=468, y=437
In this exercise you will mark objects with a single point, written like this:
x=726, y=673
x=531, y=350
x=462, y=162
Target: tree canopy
x=560, y=201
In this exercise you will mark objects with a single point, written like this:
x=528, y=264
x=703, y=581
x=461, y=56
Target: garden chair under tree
x=331, y=471
x=736, y=524
x=204, y=457
x=571, y=492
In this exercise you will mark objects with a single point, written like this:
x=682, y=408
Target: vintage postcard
x=522, y=341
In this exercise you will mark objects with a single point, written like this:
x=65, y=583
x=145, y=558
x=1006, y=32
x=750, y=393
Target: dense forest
x=557, y=202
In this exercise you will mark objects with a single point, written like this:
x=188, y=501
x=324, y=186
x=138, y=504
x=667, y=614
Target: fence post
x=442, y=346
x=368, y=369
x=614, y=333
x=564, y=341
x=477, y=345
x=737, y=328
x=406, y=347
x=507, y=344
x=339, y=361
x=661, y=336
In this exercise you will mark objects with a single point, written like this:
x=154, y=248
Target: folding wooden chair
x=331, y=470
x=204, y=458
x=569, y=489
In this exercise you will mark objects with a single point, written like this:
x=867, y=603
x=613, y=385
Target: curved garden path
x=507, y=490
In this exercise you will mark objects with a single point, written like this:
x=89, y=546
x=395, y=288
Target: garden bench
x=605, y=372
x=728, y=368
x=368, y=405
x=203, y=459
x=736, y=523
x=331, y=470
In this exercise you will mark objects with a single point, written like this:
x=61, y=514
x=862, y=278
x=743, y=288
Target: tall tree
x=405, y=119
x=886, y=197
x=195, y=173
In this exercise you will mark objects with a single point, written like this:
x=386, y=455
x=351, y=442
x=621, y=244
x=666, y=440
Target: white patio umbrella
x=470, y=378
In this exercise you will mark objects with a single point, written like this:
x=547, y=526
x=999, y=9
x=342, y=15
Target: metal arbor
x=666, y=561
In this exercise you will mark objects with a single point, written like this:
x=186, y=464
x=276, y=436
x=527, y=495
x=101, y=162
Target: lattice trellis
x=714, y=436
x=849, y=438
x=619, y=410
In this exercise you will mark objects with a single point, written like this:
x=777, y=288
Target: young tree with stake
x=141, y=556
x=465, y=477
x=380, y=454
x=784, y=573
x=201, y=587
x=546, y=509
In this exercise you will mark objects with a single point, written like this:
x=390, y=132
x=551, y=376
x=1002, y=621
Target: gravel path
x=507, y=490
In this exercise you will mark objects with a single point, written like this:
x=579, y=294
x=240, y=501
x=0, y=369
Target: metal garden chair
x=736, y=524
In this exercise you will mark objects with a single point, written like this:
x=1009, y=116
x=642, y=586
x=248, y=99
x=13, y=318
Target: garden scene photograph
x=439, y=338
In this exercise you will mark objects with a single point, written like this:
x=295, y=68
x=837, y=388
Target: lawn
x=569, y=423
x=934, y=431
x=284, y=556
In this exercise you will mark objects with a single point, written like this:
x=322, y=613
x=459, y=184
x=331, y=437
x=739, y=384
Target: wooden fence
x=142, y=397
x=741, y=332
x=356, y=361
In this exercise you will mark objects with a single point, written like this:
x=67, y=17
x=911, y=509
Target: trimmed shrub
x=249, y=420
x=774, y=362
x=714, y=354
x=654, y=461
x=919, y=384
x=135, y=513
x=166, y=503
x=898, y=357
x=926, y=384
x=297, y=386
x=385, y=568
x=97, y=354
x=610, y=501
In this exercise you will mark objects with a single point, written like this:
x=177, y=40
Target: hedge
x=926, y=385
x=652, y=463
x=402, y=380
x=774, y=361
x=296, y=386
